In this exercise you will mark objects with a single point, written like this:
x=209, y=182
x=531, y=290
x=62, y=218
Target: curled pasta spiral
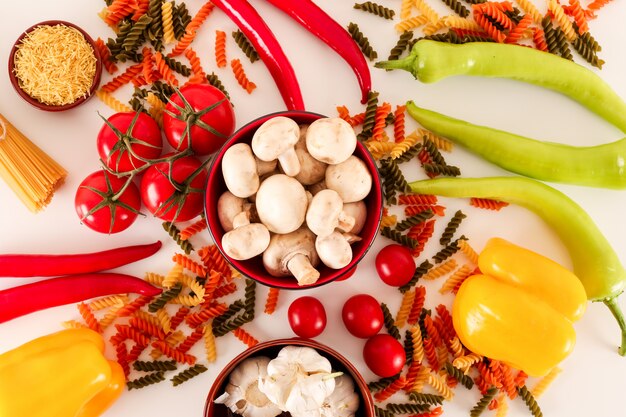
x=245, y=337
x=241, y=76
x=168, y=22
x=418, y=304
x=455, y=280
x=220, y=48
x=405, y=308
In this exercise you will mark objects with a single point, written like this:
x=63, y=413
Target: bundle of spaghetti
x=196, y=319
x=89, y=317
x=122, y=79
x=489, y=28
x=156, y=107
x=147, y=65
x=192, y=28
x=516, y=33
x=441, y=270
x=30, y=172
x=465, y=362
x=189, y=264
x=245, y=337
x=118, y=10
x=105, y=56
x=456, y=279
x=220, y=49
x=209, y=342
x=405, y=307
x=272, y=300
x=166, y=72
x=411, y=23
x=562, y=19
x=468, y=251
x=112, y=102
x=173, y=353
x=394, y=387
x=545, y=382
x=418, y=304
x=147, y=327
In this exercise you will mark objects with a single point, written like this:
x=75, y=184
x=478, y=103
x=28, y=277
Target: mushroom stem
x=345, y=222
x=289, y=162
x=300, y=266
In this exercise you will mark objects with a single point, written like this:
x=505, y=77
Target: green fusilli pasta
x=446, y=170
x=376, y=9
x=451, y=227
x=414, y=220
x=215, y=82
x=144, y=381
x=381, y=383
x=400, y=46
x=370, y=115
x=250, y=298
x=457, y=7
x=381, y=412
x=154, y=32
x=362, y=41
x=420, y=397
x=136, y=35
x=399, y=238
x=188, y=373
x=151, y=366
x=177, y=66
x=407, y=408
x=181, y=18
x=420, y=271
x=390, y=322
x=246, y=47
x=483, y=402
x=447, y=251
x=165, y=296
x=409, y=154
x=530, y=401
x=457, y=374
x=173, y=231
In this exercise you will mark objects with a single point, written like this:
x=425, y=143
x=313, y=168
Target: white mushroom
x=240, y=170
x=357, y=210
x=275, y=139
x=311, y=170
x=293, y=254
x=334, y=250
x=265, y=167
x=247, y=241
x=330, y=140
x=281, y=203
x=350, y=179
x=326, y=213
x=317, y=187
x=228, y=206
x=242, y=394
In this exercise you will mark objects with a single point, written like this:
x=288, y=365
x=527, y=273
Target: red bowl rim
x=359, y=381
x=36, y=103
x=287, y=283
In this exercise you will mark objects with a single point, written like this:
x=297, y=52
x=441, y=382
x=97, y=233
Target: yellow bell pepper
x=64, y=374
x=521, y=308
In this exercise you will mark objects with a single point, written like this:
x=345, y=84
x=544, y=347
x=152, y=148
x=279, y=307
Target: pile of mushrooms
x=295, y=195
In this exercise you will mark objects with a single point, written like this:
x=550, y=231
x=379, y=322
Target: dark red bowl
x=253, y=268
x=271, y=349
x=37, y=103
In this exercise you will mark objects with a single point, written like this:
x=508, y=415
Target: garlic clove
x=343, y=401
x=243, y=395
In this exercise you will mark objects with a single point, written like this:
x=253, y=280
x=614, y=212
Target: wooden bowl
x=271, y=349
x=33, y=101
x=253, y=268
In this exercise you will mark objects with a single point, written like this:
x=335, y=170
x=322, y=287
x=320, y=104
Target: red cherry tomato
x=144, y=140
x=384, y=355
x=307, y=317
x=97, y=210
x=395, y=265
x=362, y=316
x=168, y=203
x=209, y=114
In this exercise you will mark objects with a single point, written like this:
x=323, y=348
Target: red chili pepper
x=320, y=24
x=25, y=299
x=259, y=34
x=54, y=265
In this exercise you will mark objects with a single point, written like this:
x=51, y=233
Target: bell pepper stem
x=404, y=64
x=611, y=303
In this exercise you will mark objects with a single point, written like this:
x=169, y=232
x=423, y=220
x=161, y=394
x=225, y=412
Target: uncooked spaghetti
x=28, y=170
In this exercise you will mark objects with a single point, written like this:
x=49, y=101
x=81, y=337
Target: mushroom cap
x=330, y=140
x=311, y=170
x=274, y=137
x=324, y=212
x=334, y=250
x=283, y=248
x=317, y=187
x=246, y=241
x=281, y=203
x=240, y=170
x=351, y=179
x=228, y=206
x=358, y=211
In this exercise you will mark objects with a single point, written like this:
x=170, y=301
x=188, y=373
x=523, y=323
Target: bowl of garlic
x=293, y=200
x=289, y=377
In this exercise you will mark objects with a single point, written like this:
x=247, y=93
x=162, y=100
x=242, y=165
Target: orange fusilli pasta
x=245, y=337
x=220, y=49
x=241, y=76
x=272, y=300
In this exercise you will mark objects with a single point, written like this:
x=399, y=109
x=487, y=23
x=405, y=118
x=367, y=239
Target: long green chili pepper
x=432, y=61
x=595, y=262
x=596, y=166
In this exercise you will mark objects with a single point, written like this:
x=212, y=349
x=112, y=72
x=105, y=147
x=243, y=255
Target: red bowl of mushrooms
x=293, y=200
x=240, y=385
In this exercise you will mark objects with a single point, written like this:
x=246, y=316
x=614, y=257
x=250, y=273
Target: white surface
x=594, y=375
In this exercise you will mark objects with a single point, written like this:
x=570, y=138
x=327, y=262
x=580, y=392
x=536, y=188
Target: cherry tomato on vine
x=126, y=132
x=395, y=265
x=100, y=209
x=384, y=355
x=179, y=198
x=307, y=317
x=204, y=112
x=362, y=316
